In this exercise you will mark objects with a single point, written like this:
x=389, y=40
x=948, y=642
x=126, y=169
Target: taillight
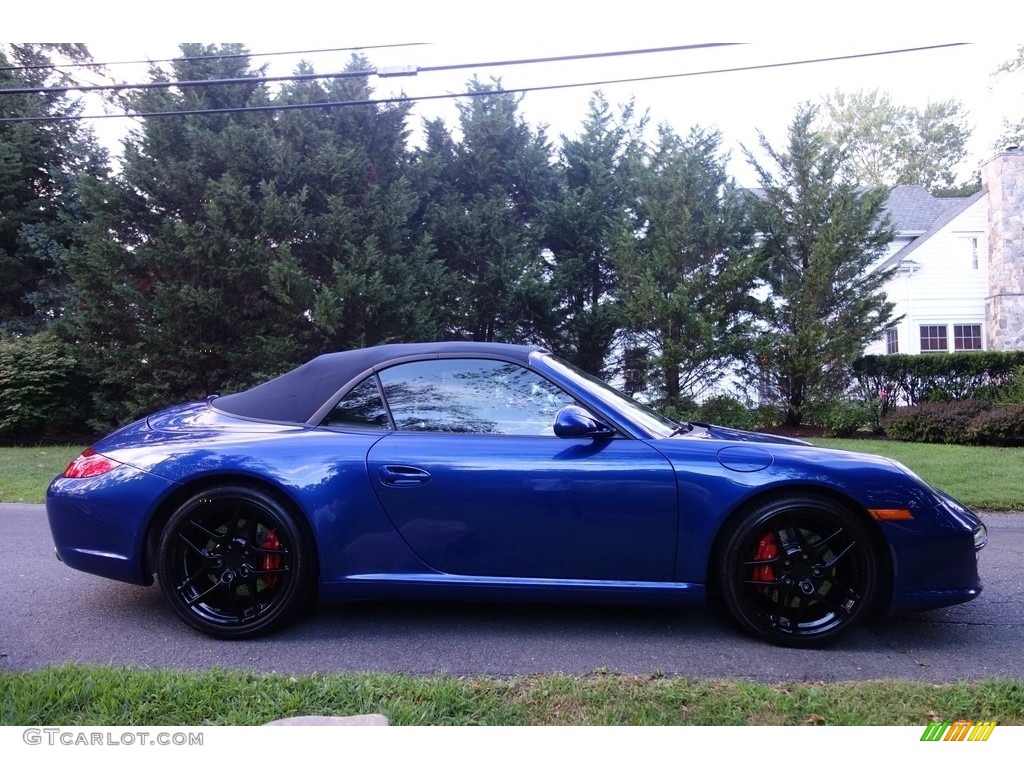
x=90, y=464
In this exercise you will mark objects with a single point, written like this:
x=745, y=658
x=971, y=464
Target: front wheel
x=799, y=571
x=234, y=563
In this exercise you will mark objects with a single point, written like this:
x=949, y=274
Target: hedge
x=968, y=422
x=915, y=379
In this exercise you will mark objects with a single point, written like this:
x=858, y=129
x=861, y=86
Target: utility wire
x=383, y=72
x=206, y=57
x=471, y=94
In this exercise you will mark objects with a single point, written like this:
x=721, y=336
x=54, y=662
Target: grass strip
x=73, y=695
x=26, y=472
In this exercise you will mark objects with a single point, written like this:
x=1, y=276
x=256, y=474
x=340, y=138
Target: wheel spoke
x=839, y=606
x=822, y=544
x=196, y=599
x=836, y=558
x=201, y=551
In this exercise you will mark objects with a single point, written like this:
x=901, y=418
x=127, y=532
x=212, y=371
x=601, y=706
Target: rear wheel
x=799, y=571
x=234, y=563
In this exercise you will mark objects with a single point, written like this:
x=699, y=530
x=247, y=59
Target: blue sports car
x=491, y=472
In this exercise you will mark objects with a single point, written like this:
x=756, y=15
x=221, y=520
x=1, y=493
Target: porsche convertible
x=461, y=470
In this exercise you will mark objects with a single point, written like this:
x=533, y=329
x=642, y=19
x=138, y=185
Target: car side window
x=361, y=408
x=488, y=397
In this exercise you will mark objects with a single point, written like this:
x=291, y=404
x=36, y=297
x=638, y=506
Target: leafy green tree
x=594, y=204
x=484, y=213
x=820, y=236
x=887, y=144
x=40, y=390
x=686, y=273
x=40, y=165
x=1013, y=129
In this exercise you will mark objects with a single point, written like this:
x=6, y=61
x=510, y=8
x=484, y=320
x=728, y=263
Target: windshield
x=644, y=417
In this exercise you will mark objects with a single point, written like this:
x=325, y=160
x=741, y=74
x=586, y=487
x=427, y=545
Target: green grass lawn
x=25, y=472
x=102, y=696
x=981, y=477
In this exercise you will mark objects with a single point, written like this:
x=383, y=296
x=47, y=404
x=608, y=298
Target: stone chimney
x=1002, y=177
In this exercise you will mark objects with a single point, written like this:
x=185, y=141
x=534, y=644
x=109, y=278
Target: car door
x=477, y=484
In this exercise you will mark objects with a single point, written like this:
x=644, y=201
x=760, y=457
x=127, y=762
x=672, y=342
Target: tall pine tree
x=485, y=216
x=821, y=236
x=346, y=207
x=686, y=274
x=594, y=205
x=41, y=164
x=172, y=284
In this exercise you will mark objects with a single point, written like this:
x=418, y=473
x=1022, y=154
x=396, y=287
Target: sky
x=741, y=104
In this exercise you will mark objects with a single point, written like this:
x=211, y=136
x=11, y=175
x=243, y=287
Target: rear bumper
x=99, y=523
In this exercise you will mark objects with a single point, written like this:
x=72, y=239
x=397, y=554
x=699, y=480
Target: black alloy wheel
x=234, y=563
x=798, y=571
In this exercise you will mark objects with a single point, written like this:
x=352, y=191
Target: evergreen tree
x=686, y=274
x=40, y=166
x=172, y=284
x=484, y=214
x=593, y=206
x=346, y=207
x=820, y=238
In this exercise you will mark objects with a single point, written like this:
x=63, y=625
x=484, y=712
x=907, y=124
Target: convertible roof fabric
x=295, y=396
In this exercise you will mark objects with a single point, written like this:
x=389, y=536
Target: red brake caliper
x=767, y=549
x=271, y=562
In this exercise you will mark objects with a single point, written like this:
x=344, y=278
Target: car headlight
x=980, y=536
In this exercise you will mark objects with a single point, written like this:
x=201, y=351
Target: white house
x=959, y=282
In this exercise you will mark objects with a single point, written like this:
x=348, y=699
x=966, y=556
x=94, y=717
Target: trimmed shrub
x=1012, y=391
x=1002, y=426
x=937, y=377
x=843, y=418
x=933, y=422
x=766, y=415
x=726, y=411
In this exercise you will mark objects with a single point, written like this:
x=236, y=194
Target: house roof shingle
x=916, y=215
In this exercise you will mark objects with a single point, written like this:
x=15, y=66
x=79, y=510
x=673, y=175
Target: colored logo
x=959, y=730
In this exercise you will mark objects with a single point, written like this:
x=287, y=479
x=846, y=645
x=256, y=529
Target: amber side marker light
x=89, y=464
x=891, y=514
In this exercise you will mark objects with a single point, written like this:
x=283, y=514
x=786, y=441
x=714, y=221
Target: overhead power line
x=470, y=94
x=209, y=57
x=382, y=72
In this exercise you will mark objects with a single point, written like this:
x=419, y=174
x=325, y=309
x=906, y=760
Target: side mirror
x=573, y=421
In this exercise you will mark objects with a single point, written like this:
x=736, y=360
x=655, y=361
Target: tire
x=798, y=571
x=234, y=563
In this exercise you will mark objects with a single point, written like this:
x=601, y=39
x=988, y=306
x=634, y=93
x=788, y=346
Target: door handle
x=402, y=477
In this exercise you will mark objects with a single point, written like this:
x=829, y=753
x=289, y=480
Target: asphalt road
x=50, y=614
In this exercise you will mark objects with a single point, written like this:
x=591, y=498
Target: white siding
x=946, y=288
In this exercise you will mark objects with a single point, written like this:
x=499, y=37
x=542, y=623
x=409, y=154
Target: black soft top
x=295, y=396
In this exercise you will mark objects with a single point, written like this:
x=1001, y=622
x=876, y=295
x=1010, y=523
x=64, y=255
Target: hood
x=715, y=432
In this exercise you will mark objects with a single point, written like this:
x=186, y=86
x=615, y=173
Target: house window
x=933, y=338
x=892, y=341
x=974, y=255
x=966, y=337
